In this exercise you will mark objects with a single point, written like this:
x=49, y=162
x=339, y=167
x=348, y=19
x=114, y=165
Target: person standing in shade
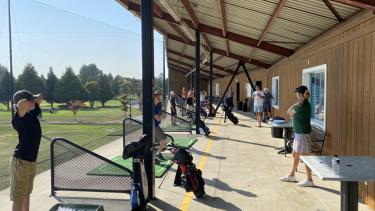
x=267, y=104
x=160, y=136
x=190, y=100
x=300, y=113
x=172, y=101
x=230, y=95
x=258, y=97
x=184, y=94
x=22, y=167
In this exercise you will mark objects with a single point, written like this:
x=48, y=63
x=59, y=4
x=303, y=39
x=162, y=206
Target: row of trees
x=91, y=84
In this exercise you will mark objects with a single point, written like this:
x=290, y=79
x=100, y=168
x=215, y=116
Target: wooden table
x=352, y=169
x=288, y=131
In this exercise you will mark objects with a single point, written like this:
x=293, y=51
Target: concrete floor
x=241, y=170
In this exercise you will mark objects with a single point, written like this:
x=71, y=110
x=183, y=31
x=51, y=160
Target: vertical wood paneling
x=366, y=103
x=350, y=90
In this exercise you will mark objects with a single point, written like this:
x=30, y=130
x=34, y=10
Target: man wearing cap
x=172, y=101
x=267, y=104
x=160, y=136
x=22, y=168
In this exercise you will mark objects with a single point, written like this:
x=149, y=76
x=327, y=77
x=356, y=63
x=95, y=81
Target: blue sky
x=62, y=33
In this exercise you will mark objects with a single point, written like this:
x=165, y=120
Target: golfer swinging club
x=22, y=167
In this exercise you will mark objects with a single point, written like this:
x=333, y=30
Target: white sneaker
x=288, y=179
x=306, y=183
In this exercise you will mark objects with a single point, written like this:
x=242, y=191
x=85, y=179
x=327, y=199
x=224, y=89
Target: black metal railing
x=75, y=168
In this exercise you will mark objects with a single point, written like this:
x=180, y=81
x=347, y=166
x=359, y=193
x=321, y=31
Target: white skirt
x=301, y=143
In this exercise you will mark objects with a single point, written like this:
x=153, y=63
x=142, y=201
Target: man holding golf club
x=22, y=167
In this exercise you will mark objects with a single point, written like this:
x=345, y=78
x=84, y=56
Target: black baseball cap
x=23, y=95
x=301, y=89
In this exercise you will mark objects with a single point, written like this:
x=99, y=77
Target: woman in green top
x=300, y=112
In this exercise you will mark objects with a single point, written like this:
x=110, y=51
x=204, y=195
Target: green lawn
x=107, y=122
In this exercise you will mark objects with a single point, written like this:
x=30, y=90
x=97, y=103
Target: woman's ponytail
x=306, y=95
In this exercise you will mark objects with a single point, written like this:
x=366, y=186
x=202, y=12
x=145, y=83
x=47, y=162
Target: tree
x=69, y=88
x=2, y=70
x=29, y=80
x=94, y=91
x=125, y=87
x=106, y=93
x=116, y=83
x=5, y=92
x=89, y=73
x=123, y=99
x=50, y=87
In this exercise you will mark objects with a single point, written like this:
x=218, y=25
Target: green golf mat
x=183, y=141
x=108, y=170
x=176, y=127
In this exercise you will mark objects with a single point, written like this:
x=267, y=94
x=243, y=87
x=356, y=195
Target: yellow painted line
x=189, y=196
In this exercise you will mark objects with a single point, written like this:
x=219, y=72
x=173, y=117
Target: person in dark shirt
x=23, y=161
x=172, y=101
x=160, y=136
x=300, y=113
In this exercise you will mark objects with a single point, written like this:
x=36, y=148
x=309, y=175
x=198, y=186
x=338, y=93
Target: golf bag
x=139, y=189
x=230, y=115
x=187, y=174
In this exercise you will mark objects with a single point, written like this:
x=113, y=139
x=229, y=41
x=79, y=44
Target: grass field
x=93, y=128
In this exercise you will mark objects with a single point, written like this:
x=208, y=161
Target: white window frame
x=217, y=89
x=248, y=87
x=278, y=91
x=306, y=82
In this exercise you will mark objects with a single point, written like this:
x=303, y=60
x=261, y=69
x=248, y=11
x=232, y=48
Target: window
x=249, y=90
x=315, y=79
x=275, y=91
x=217, y=89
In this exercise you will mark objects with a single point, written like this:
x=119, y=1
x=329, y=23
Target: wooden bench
x=318, y=137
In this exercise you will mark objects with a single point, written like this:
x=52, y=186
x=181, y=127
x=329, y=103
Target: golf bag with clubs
x=230, y=115
x=187, y=174
x=139, y=189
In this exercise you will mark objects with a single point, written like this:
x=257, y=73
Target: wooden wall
x=259, y=75
x=177, y=80
x=349, y=52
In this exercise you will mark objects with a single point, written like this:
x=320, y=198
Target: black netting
x=75, y=168
x=172, y=123
x=132, y=130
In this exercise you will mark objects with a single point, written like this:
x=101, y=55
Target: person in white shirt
x=258, y=97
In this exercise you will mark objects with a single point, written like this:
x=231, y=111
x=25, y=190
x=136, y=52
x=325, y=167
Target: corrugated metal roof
x=298, y=23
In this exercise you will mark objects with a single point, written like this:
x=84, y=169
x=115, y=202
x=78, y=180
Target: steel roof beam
x=333, y=10
x=218, y=32
x=224, y=23
x=195, y=21
x=224, y=53
x=192, y=59
x=363, y=4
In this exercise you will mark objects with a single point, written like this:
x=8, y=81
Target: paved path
x=241, y=171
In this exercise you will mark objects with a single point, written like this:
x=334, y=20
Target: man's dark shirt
x=29, y=135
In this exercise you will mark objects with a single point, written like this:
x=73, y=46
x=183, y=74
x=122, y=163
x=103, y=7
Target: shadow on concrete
x=195, y=151
x=217, y=183
x=244, y=142
x=218, y=203
x=328, y=190
x=159, y=204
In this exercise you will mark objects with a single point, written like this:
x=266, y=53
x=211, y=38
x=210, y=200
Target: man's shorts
x=159, y=134
x=258, y=108
x=266, y=107
x=22, y=174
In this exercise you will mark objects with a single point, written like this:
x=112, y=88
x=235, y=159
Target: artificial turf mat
x=184, y=141
x=108, y=170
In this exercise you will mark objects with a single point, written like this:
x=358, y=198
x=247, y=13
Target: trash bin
x=239, y=105
x=277, y=132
